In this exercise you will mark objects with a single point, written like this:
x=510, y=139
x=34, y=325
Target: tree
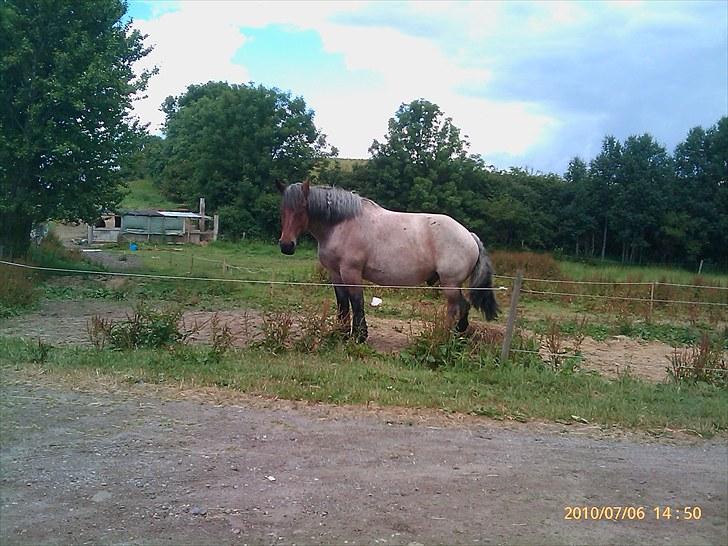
x=641, y=195
x=422, y=162
x=229, y=143
x=605, y=173
x=67, y=84
x=699, y=227
x=576, y=211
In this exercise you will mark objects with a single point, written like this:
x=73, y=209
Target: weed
x=553, y=344
x=145, y=327
x=704, y=362
x=538, y=265
x=277, y=328
x=318, y=329
x=39, y=353
x=51, y=253
x=221, y=338
x=437, y=345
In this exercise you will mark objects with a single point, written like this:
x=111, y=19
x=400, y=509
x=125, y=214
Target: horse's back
x=409, y=248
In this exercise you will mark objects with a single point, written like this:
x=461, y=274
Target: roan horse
x=359, y=240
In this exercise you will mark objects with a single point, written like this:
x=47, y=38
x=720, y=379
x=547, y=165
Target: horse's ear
x=305, y=187
x=281, y=186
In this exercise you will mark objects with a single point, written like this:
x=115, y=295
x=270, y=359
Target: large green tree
x=696, y=225
x=641, y=196
x=67, y=84
x=423, y=164
x=230, y=143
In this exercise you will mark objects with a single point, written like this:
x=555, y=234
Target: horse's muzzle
x=287, y=247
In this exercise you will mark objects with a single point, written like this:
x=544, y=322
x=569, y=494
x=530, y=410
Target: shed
x=157, y=226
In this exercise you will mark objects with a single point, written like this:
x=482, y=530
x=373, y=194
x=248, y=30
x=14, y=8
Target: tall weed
x=145, y=327
x=704, y=362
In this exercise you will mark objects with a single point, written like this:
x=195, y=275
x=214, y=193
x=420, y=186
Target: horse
x=359, y=240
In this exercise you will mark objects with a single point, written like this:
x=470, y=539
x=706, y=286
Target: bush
x=51, y=253
x=17, y=290
x=535, y=265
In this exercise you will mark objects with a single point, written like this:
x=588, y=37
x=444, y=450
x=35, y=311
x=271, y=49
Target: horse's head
x=294, y=214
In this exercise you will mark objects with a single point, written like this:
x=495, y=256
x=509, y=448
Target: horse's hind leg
x=457, y=309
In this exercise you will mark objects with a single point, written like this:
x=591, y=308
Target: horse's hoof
x=462, y=326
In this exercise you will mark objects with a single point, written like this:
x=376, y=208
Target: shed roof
x=166, y=213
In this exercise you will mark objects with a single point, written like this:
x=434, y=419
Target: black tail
x=482, y=277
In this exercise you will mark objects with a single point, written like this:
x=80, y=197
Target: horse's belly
x=397, y=276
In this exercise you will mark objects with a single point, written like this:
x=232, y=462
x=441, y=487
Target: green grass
x=246, y=260
x=351, y=375
x=672, y=334
x=143, y=194
x=616, y=272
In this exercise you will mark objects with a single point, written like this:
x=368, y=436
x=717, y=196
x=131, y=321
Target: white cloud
x=197, y=43
x=190, y=46
x=534, y=71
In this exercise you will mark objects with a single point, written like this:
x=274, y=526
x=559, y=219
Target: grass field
x=143, y=194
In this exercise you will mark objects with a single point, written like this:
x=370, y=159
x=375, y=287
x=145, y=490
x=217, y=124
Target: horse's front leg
x=342, y=304
x=353, y=277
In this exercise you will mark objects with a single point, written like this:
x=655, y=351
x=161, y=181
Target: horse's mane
x=325, y=203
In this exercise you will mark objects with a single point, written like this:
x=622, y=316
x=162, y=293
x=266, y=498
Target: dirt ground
x=145, y=466
x=65, y=322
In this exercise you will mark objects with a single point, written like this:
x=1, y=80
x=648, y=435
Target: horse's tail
x=482, y=277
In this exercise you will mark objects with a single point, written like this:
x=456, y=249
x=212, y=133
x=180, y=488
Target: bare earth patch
x=645, y=359
x=65, y=323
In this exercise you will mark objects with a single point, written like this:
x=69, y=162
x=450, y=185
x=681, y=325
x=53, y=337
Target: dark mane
x=325, y=203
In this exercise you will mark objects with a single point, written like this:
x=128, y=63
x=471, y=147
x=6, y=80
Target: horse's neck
x=319, y=230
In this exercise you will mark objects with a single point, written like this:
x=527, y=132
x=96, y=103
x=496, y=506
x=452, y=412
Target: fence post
x=511, y=324
x=652, y=298
x=224, y=267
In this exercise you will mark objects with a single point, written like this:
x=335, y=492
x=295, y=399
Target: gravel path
x=134, y=468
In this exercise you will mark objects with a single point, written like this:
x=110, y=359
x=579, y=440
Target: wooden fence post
x=652, y=298
x=511, y=324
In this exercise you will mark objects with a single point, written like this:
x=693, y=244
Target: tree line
x=634, y=202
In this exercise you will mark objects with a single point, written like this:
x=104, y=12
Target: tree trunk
x=15, y=235
x=604, y=238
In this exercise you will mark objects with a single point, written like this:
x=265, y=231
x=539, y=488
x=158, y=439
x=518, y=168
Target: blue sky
x=532, y=84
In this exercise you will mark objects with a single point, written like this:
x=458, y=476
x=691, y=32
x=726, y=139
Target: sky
x=531, y=84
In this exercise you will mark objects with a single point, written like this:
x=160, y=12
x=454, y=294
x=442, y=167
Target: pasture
x=600, y=360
